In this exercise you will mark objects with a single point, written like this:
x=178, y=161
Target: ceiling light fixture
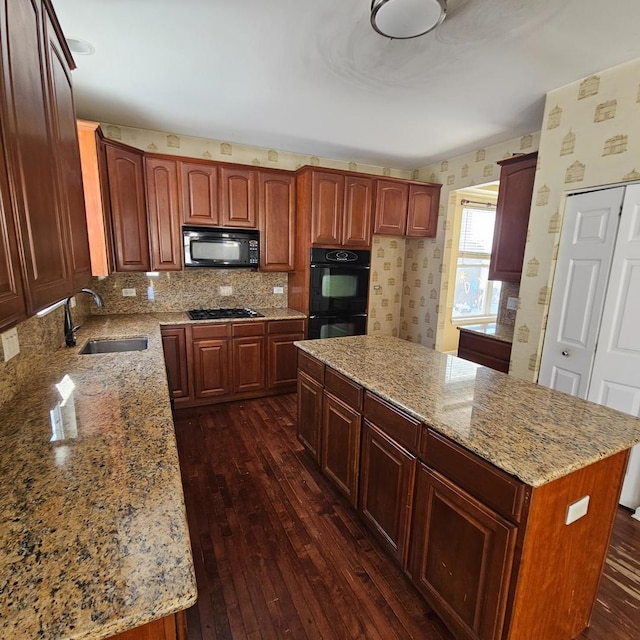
x=81, y=47
x=405, y=19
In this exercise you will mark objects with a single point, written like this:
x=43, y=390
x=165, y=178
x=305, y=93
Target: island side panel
x=561, y=564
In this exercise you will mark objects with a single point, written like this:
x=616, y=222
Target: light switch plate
x=512, y=303
x=577, y=510
x=226, y=291
x=129, y=293
x=10, y=344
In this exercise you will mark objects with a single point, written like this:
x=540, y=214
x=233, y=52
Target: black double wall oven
x=338, y=293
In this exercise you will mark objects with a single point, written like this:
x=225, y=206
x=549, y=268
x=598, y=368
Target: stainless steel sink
x=115, y=346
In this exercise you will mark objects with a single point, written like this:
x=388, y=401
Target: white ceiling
x=311, y=76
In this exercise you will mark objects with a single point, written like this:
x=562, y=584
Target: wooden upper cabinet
x=199, y=190
x=163, y=207
x=26, y=124
x=12, y=305
x=277, y=216
x=95, y=183
x=238, y=197
x=128, y=210
x=517, y=176
x=391, y=207
x=358, y=212
x=65, y=137
x=327, y=207
x=422, y=216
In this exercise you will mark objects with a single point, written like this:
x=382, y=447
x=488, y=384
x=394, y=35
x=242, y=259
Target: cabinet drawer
x=478, y=477
x=343, y=388
x=402, y=428
x=311, y=366
x=201, y=331
x=285, y=326
x=243, y=329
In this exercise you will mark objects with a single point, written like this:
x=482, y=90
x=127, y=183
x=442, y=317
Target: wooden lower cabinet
x=248, y=364
x=172, y=627
x=386, y=489
x=461, y=556
x=309, y=413
x=221, y=362
x=211, y=367
x=485, y=350
x=340, y=456
x=174, y=345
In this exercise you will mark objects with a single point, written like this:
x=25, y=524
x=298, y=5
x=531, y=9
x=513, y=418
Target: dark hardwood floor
x=280, y=554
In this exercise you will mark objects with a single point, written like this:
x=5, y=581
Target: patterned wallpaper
x=180, y=145
x=385, y=285
x=590, y=137
x=425, y=286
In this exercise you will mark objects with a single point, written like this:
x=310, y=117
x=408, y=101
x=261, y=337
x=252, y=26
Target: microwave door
x=213, y=250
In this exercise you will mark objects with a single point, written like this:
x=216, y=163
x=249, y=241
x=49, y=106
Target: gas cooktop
x=218, y=314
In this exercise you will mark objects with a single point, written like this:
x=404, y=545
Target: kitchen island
x=496, y=496
x=93, y=538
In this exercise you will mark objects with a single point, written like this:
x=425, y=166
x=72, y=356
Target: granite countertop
x=529, y=431
x=93, y=530
x=495, y=330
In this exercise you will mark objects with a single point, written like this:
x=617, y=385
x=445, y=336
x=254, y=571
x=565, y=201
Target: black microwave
x=217, y=247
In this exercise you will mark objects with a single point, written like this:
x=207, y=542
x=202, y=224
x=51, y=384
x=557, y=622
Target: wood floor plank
x=280, y=554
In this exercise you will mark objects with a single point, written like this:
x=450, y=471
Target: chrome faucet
x=69, y=329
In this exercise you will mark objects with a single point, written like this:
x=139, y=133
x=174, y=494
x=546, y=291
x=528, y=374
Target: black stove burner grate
x=218, y=314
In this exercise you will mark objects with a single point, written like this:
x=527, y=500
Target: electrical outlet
x=128, y=293
x=278, y=289
x=512, y=303
x=10, y=344
x=577, y=510
x=226, y=291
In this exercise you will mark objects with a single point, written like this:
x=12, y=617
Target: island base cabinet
x=461, y=557
x=386, y=488
x=341, y=445
x=309, y=413
x=169, y=628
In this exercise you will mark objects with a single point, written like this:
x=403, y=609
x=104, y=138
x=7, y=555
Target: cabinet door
x=422, y=216
x=327, y=206
x=248, y=364
x=128, y=209
x=512, y=217
x=341, y=426
x=173, y=627
x=65, y=137
x=386, y=489
x=358, y=212
x=461, y=557
x=211, y=367
x=199, y=191
x=12, y=306
x=281, y=361
x=165, y=233
x=484, y=350
x=391, y=207
x=309, y=413
x=97, y=210
x=277, y=216
x=25, y=120
x=174, y=345
x=238, y=197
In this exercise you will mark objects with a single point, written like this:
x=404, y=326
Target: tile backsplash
x=508, y=290
x=192, y=289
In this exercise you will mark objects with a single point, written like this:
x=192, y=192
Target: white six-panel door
x=615, y=377
x=582, y=273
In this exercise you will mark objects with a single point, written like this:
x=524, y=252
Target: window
x=475, y=296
